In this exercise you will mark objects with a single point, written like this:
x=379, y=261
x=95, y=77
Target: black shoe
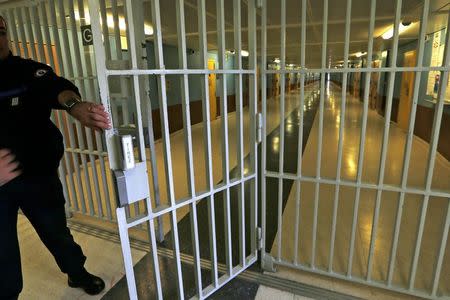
x=91, y=284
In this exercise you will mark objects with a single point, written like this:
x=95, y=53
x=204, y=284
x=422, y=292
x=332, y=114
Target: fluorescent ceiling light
x=244, y=53
x=148, y=29
x=276, y=60
x=359, y=54
x=390, y=32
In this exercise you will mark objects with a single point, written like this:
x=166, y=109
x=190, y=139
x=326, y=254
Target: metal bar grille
x=328, y=263
x=194, y=197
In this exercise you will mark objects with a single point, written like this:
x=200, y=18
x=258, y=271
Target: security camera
x=406, y=23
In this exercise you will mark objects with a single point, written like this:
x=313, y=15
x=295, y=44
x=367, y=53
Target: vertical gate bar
x=134, y=29
x=61, y=122
x=124, y=106
x=116, y=29
x=29, y=32
x=385, y=137
x=114, y=111
x=98, y=140
x=224, y=127
x=409, y=139
x=70, y=73
x=184, y=85
x=319, y=147
x=46, y=34
x=18, y=16
x=196, y=249
x=101, y=57
x=67, y=49
x=264, y=129
x=341, y=134
x=134, y=44
x=37, y=28
x=79, y=73
x=239, y=126
x=154, y=167
x=159, y=59
x=12, y=28
x=182, y=60
x=300, y=132
x=124, y=81
x=439, y=108
x=104, y=175
x=126, y=252
x=438, y=267
x=362, y=142
x=105, y=29
x=253, y=98
x=90, y=93
x=69, y=171
x=203, y=46
x=213, y=241
x=282, y=117
x=88, y=131
x=57, y=40
x=40, y=37
x=156, y=270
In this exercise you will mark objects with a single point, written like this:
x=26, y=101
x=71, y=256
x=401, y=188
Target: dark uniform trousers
x=42, y=201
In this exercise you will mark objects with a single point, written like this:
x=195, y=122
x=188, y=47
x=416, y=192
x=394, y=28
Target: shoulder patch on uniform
x=15, y=101
x=40, y=73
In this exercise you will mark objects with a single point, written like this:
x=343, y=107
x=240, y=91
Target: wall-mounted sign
x=86, y=33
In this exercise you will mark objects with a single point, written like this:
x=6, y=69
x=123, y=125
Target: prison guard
x=28, y=92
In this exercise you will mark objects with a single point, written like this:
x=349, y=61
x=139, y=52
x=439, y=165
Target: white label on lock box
x=128, y=152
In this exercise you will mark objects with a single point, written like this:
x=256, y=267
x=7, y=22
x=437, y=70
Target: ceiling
x=360, y=15
x=359, y=26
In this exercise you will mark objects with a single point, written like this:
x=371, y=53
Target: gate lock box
x=132, y=179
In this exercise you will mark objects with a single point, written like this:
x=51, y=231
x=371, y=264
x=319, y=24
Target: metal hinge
x=259, y=128
x=259, y=237
x=267, y=263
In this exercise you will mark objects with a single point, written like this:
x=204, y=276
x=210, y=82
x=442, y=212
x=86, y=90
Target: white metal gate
x=132, y=176
x=272, y=258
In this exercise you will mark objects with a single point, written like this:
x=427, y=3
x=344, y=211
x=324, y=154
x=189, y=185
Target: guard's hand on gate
x=91, y=115
x=8, y=166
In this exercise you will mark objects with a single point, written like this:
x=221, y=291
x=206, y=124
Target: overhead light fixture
x=384, y=54
x=276, y=60
x=390, y=32
x=290, y=65
x=244, y=53
x=359, y=54
x=148, y=29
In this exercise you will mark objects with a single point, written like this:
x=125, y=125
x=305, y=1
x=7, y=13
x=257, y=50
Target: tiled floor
x=42, y=277
x=267, y=293
x=437, y=207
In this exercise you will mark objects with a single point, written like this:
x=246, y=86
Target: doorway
x=212, y=90
x=406, y=91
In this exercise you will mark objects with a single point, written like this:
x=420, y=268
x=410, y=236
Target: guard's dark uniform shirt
x=28, y=92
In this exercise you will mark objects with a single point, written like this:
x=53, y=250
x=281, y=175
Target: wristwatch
x=69, y=104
